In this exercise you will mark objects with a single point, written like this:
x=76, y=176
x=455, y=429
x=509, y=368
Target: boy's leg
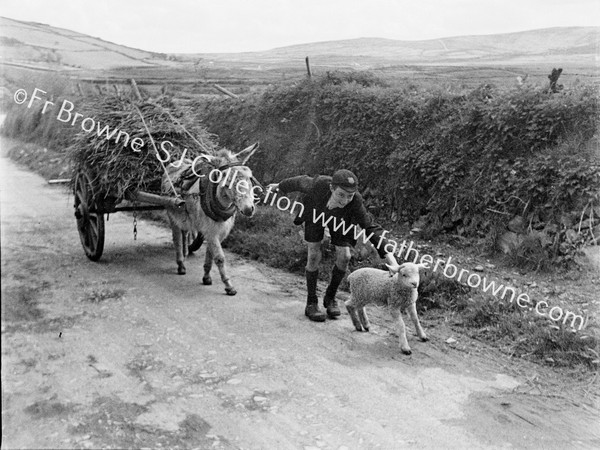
x=342, y=258
x=312, y=310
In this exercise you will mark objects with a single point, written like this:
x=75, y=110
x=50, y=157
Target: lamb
x=396, y=289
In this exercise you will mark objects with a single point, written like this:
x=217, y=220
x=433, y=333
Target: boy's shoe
x=313, y=312
x=333, y=310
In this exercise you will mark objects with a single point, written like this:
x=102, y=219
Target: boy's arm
x=366, y=222
x=301, y=183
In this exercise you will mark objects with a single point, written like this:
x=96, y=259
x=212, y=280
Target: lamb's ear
x=393, y=269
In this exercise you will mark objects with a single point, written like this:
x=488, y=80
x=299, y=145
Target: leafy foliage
x=458, y=160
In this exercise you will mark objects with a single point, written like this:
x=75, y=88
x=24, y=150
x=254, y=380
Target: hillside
x=577, y=45
x=39, y=45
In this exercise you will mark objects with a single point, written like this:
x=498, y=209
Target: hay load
x=115, y=147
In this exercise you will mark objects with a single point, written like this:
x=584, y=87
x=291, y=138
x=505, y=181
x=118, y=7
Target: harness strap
x=192, y=181
x=207, y=191
x=210, y=203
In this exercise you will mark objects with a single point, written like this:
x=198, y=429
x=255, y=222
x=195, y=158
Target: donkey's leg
x=219, y=259
x=185, y=237
x=208, y=260
x=178, y=243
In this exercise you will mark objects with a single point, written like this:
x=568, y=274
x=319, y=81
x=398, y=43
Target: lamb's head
x=407, y=274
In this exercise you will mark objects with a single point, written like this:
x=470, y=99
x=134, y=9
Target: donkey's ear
x=207, y=158
x=247, y=153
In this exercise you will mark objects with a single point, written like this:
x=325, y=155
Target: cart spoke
x=89, y=224
x=93, y=228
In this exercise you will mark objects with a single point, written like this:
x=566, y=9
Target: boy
x=329, y=201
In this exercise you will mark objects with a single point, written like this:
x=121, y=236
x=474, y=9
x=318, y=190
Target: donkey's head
x=236, y=186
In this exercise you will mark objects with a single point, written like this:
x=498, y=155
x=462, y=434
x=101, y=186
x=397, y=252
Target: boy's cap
x=345, y=179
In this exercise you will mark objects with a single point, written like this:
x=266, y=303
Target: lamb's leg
x=178, y=242
x=351, y=307
x=412, y=312
x=396, y=314
x=219, y=259
x=364, y=320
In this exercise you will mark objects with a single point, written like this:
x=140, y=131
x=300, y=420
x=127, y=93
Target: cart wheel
x=90, y=223
x=196, y=243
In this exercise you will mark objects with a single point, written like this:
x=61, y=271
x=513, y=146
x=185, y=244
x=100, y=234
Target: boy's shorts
x=315, y=233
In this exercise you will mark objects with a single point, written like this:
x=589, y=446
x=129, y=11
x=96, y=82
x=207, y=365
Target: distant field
x=189, y=81
x=455, y=63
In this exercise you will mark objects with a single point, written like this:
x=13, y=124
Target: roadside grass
x=46, y=161
x=270, y=237
x=524, y=334
x=33, y=124
x=530, y=255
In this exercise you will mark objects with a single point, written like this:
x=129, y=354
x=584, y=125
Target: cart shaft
x=161, y=200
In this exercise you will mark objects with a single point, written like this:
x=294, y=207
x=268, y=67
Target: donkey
x=214, y=188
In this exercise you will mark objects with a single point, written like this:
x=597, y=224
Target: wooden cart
x=91, y=204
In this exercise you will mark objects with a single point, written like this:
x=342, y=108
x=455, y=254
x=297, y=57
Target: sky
x=213, y=26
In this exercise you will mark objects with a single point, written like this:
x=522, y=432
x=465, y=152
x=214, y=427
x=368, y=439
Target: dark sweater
x=316, y=194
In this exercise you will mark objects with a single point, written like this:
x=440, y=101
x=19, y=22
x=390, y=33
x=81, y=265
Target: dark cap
x=345, y=179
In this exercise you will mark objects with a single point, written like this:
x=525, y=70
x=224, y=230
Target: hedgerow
x=459, y=162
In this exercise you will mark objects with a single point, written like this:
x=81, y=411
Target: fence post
x=136, y=91
x=225, y=91
x=308, y=68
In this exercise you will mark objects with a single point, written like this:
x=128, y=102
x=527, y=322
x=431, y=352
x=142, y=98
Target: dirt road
x=125, y=353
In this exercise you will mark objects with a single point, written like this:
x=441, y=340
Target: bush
x=455, y=161
x=29, y=124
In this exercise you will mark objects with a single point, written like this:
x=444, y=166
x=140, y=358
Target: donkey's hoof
x=206, y=280
x=357, y=326
x=181, y=269
x=407, y=351
x=230, y=291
